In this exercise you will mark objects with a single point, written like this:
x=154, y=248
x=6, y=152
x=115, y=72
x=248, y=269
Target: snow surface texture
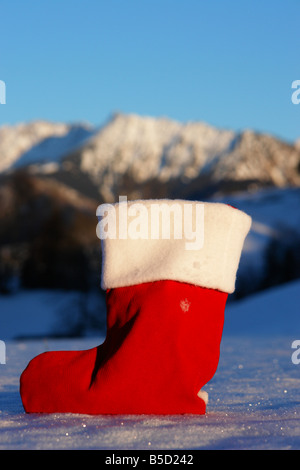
x=253, y=397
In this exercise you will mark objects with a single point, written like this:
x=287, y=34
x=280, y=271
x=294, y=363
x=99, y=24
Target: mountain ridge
x=148, y=157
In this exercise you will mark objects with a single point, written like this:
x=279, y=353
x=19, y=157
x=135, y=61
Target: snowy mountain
x=38, y=142
x=146, y=157
x=151, y=157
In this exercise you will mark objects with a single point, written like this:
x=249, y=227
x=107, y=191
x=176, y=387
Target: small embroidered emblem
x=185, y=305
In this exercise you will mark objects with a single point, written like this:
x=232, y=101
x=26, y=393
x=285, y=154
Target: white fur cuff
x=204, y=248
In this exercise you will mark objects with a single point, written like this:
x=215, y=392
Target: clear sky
x=229, y=63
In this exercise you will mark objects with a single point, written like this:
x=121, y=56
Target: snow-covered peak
x=147, y=148
x=131, y=150
x=38, y=142
x=153, y=147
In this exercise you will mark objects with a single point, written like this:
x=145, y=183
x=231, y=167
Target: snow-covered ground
x=254, y=397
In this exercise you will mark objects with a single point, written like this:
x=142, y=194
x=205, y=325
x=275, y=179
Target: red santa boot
x=167, y=281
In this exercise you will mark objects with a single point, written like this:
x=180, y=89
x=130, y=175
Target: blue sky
x=229, y=63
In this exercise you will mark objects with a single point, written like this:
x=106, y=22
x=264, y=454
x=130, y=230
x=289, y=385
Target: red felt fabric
x=162, y=346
